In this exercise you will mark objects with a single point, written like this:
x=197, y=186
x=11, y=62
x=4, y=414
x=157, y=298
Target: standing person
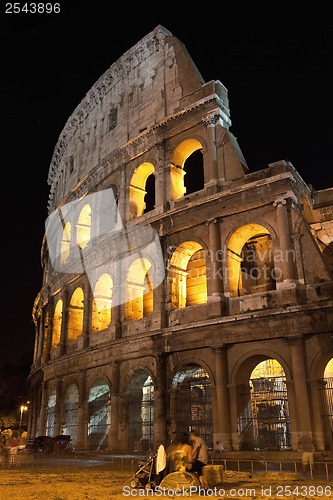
x=199, y=455
x=13, y=450
x=305, y=444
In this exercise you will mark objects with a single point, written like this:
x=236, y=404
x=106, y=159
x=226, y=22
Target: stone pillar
x=83, y=340
x=82, y=417
x=234, y=417
x=222, y=422
x=64, y=322
x=211, y=173
x=39, y=340
x=160, y=400
x=123, y=199
x=299, y=370
x=214, y=264
x=318, y=433
x=296, y=238
x=114, y=402
x=58, y=409
x=160, y=177
x=284, y=256
x=43, y=409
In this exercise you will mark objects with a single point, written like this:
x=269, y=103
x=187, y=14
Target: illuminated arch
x=263, y=408
x=250, y=260
x=137, y=190
x=102, y=303
x=99, y=415
x=139, y=290
x=83, y=227
x=192, y=394
x=177, y=171
x=71, y=406
x=75, y=314
x=140, y=410
x=57, y=322
x=187, y=275
x=65, y=243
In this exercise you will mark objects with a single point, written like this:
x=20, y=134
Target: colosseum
x=180, y=290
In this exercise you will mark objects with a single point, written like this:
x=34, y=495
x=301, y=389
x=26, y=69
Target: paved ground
x=94, y=478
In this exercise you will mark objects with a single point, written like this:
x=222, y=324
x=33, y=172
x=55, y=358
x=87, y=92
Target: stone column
x=234, y=417
x=114, y=403
x=299, y=370
x=160, y=391
x=58, y=409
x=284, y=256
x=64, y=322
x=214, y=264
x=222, y=421
x=160, y=177
x=82, y=416
x=43, y=409
x=83, y=340
x=211, y=173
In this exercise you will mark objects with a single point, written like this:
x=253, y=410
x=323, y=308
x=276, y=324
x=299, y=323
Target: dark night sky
x=277, y=69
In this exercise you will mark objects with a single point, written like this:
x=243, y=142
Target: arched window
x=102, y=303
x=187, y=275
x=142, y=190
x=250, y=261
x=139, y=290
x=83, y=227
x=75, y=315
x=57, y=322
x=65, y=243
x=186, y=161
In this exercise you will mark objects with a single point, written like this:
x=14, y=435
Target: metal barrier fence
x=128, y=463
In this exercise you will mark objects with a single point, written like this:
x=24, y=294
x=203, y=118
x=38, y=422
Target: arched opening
x=193, y=402
x=71, y=405
x=186, y=160
x=139, y=290
x=83, y=227
x=325, y=389
x=75, y=315
x=140, y=411
x=99, y=415
x=187, y=275
x=102, y=303
x=263, y=421
x=65, y=243
x=50, y=413
x=57, y=322
x=250, y=261
x=142, y=190
x=194, y=172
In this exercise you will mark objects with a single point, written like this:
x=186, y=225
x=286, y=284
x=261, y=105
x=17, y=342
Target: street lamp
x=23, y=408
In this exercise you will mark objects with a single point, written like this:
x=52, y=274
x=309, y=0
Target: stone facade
x=171, y=272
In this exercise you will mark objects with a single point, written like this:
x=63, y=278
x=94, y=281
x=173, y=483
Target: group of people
x=188, y=453
x=9, y=445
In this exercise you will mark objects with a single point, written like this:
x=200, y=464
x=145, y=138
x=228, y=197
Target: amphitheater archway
x=326, y=403
x=192, y=402
x=250, y=260
x=187, y=275
x=51, y=413
x=71, y=405
x=99, y=415
x=140, y=411
x=186, y=160
x=263, y=410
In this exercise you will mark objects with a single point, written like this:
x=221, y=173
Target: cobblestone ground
x=88, y=483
